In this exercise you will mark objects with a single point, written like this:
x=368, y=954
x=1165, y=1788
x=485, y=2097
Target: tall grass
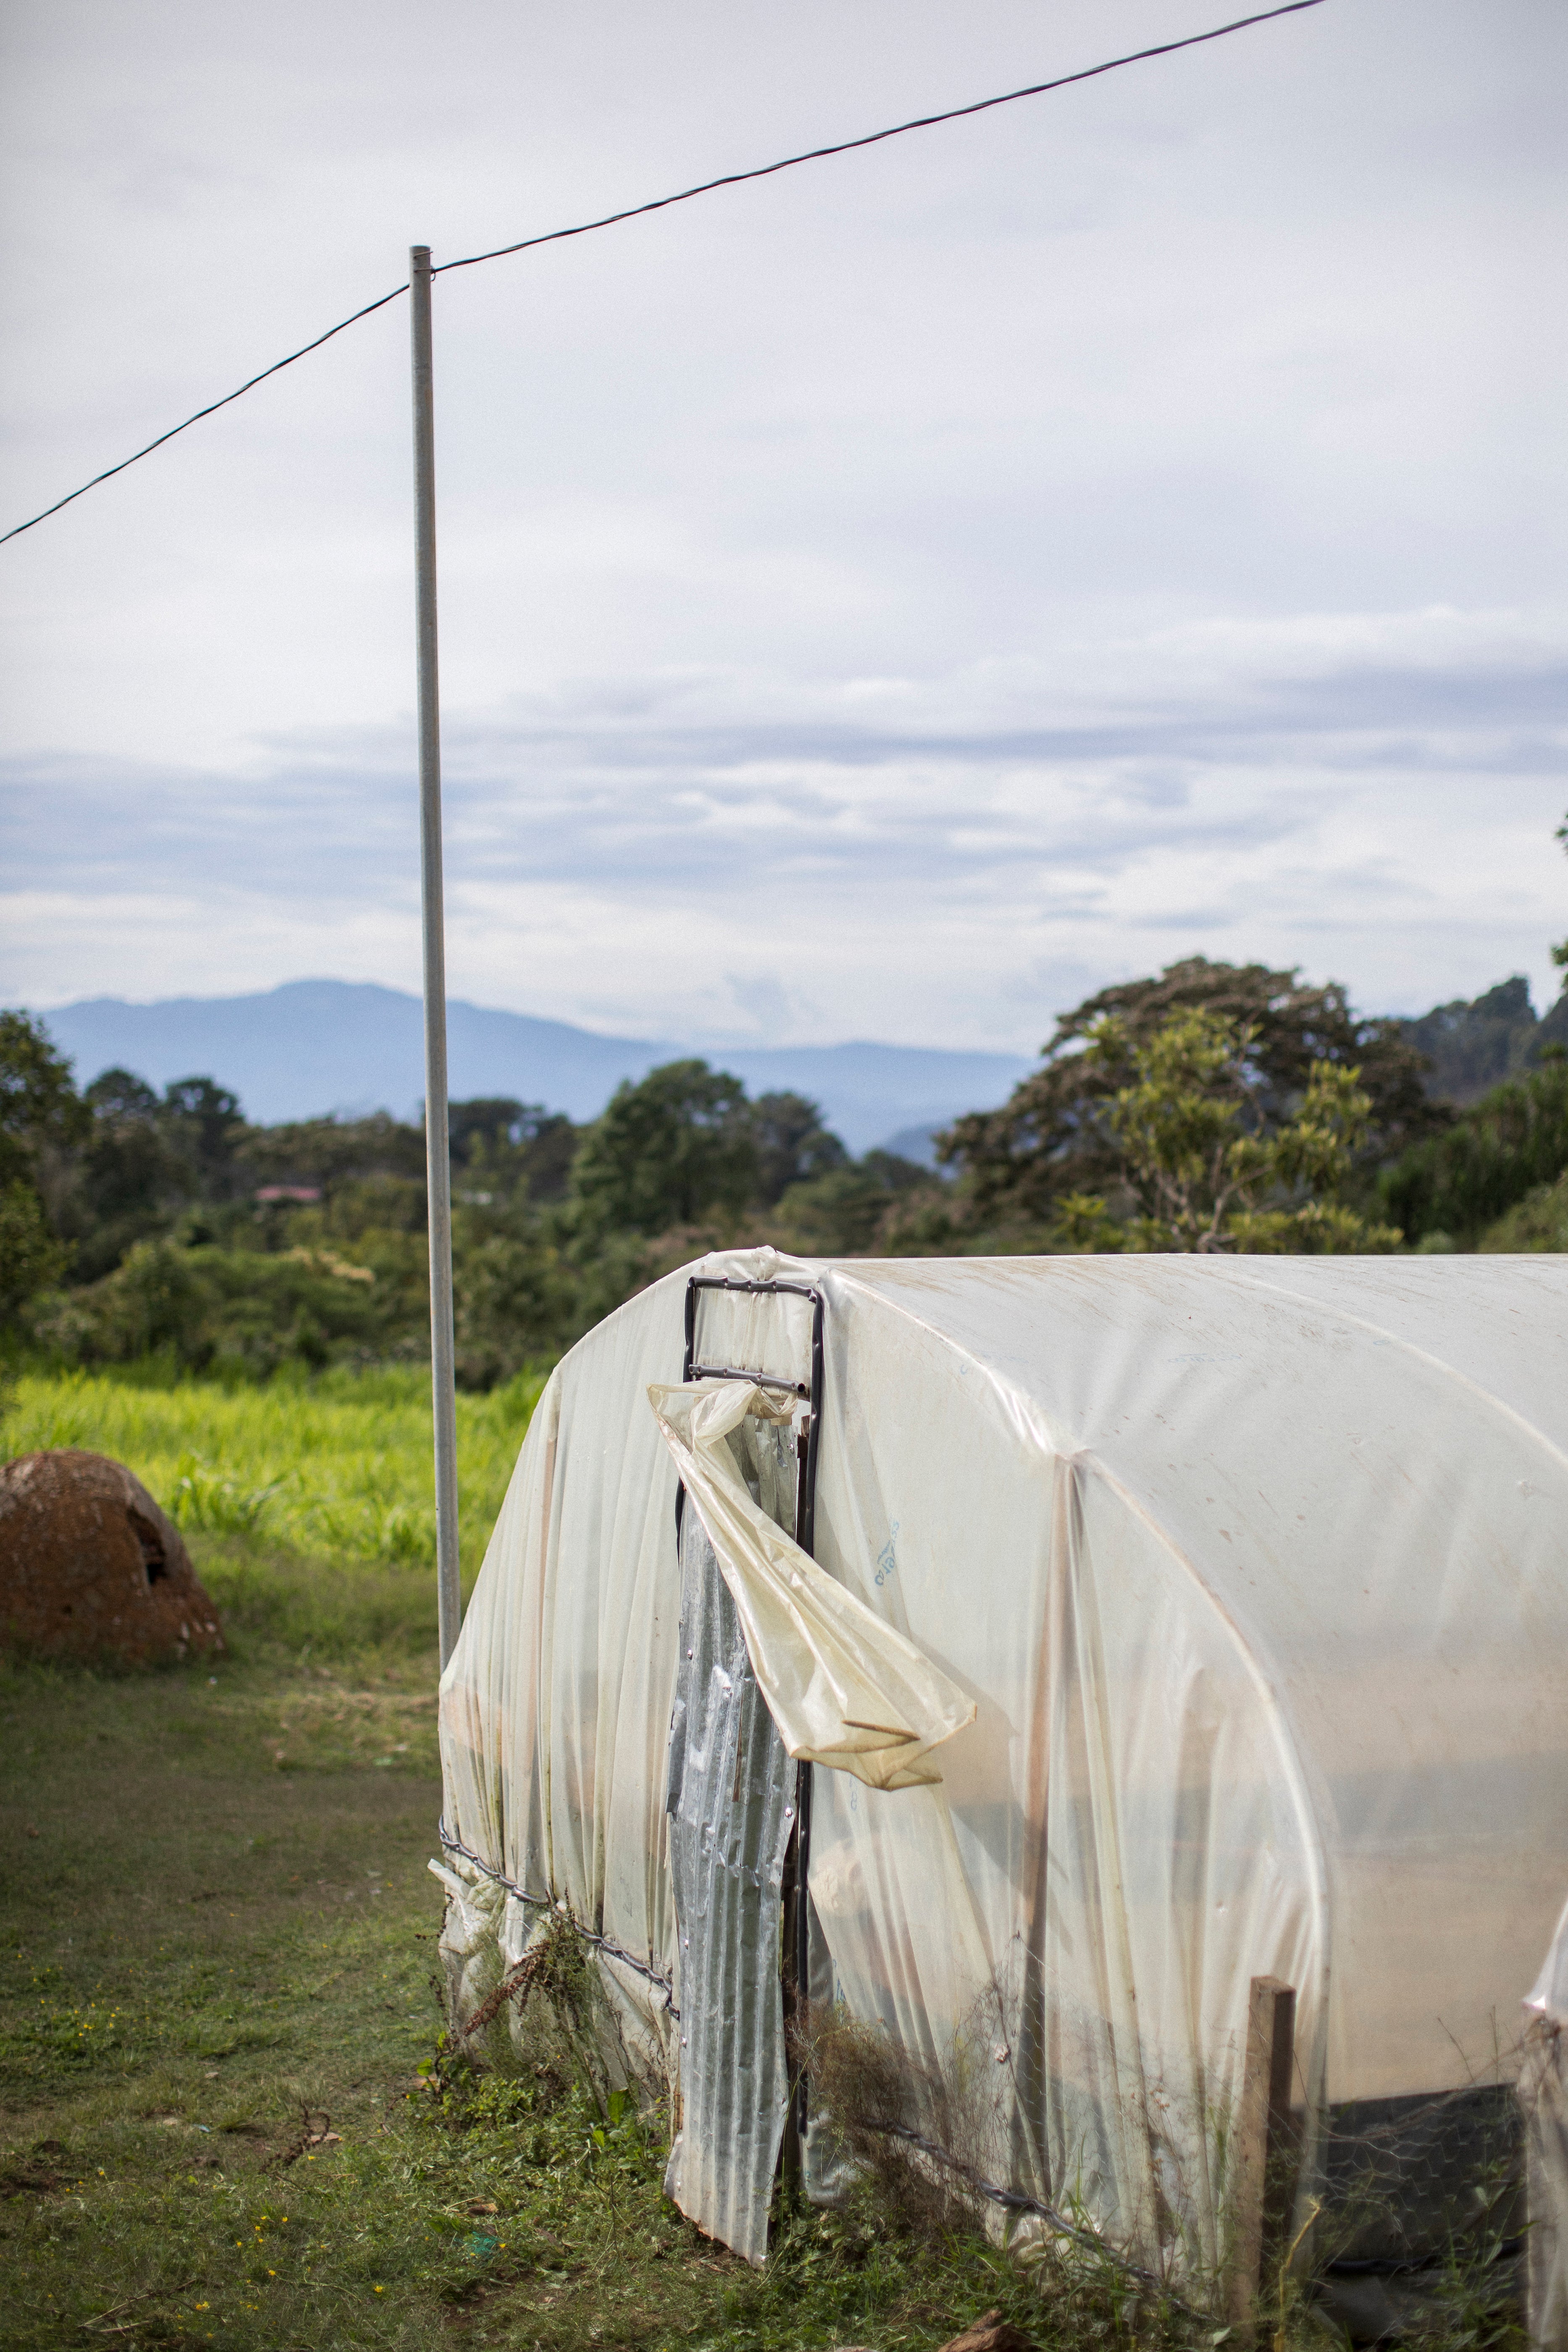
x=338, y=1470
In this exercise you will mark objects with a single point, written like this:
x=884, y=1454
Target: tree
x=484, y=1119
x=792, y=1145
x=31, y=1259
x=333, y=1152
x=672, y=1149
x=39, y=1105
x=1514, y=1140
x=148, y=1157
x=851, y=1210
x=1048, y=1139
x=502, y=1143
x=127, y=1179
x=204, y=1125
x=42, y=1117
x=119, y=1098
x=1198, y=1162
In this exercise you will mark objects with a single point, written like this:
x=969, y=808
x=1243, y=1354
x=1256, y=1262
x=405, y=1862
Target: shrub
x=1514, y=1140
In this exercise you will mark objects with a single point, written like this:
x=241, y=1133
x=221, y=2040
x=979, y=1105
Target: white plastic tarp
x=1548, y=1996
x=846, y=1688
x=1256, y=1573
x=1543, y=2092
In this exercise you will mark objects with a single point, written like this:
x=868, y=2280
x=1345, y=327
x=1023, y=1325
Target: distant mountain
x=318, y=1046
x=1473, y=1045
x=919, y=1144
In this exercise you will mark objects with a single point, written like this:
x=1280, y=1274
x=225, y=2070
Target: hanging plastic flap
x=1549, y=1994
x=845, y=1688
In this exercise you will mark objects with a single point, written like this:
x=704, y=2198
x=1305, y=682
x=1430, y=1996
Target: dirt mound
x=90, y=1568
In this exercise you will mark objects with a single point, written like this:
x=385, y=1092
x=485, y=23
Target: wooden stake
x=1261, y=2146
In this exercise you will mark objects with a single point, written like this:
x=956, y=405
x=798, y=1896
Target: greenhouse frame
x=1034, y=1663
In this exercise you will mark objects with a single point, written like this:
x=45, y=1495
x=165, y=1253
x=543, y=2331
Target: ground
x=224, y=2115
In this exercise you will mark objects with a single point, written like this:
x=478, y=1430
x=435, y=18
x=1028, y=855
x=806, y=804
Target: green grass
x=337, y=1471
x=199, y=1947
x=217, y=1945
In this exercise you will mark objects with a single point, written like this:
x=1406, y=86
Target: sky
x=889, y=601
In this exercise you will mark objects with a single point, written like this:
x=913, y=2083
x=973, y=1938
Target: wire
x=875, y=138
x=552, y=1903
x=660, y=204
x=210, y=410
x=1013, y=2201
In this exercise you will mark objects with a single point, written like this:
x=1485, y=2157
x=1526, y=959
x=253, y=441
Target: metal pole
x=437, y=1159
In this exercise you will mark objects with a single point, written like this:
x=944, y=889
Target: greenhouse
x=1544, y=2092
x=1039, y=1663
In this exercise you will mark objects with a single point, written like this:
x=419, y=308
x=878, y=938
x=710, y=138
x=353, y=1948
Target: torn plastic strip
x=845, y=1687
x=451, y=1845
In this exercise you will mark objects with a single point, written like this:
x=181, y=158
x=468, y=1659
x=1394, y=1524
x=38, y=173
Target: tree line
x=138, y=1224
x=1212, y=1107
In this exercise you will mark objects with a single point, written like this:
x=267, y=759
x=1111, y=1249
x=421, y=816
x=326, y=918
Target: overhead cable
x=210, y=410
x=875, y=138
x=661, y=204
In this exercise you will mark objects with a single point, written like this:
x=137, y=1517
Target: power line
x=875, y=138
x=661, y=204
x=210, y=410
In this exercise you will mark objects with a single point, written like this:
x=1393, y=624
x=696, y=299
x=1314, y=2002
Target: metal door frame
x=795, y=1880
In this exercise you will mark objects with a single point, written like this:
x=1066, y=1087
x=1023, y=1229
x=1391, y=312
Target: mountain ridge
x=309, y=1047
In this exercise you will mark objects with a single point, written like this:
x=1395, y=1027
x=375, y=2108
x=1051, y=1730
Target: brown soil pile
x=90, y=1568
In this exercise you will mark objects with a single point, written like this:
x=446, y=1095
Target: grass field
x=224, y=2117
x=337, y=1472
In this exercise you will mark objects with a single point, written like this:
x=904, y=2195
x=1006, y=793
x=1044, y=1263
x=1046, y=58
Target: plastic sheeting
x=1255, y=1572
x=845, y=1687
x=1548, y=1996
x=1543, y=2095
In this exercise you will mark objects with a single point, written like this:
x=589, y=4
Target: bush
x=1539, y=1222
x=238, y=1313
x=516, y=1301
x=1515, y=1140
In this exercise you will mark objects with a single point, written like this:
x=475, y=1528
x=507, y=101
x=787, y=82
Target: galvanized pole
x=437, y=1159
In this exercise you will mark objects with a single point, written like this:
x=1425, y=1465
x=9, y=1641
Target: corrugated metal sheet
x=732, y=1800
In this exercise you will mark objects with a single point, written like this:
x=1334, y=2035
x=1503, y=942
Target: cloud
x=740, y=856
x=891, y=600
